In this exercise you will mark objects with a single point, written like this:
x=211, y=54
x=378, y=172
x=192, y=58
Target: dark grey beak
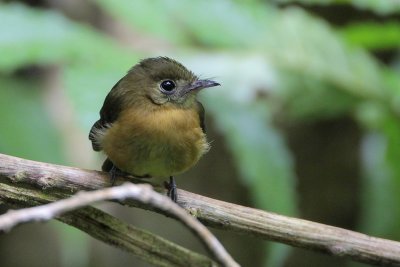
x=201, y=84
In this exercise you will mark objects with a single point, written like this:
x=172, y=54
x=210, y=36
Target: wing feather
x=108, y=114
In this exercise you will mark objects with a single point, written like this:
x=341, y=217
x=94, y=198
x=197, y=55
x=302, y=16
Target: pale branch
x=61, y=181
x=110, y=230
x=141, y=193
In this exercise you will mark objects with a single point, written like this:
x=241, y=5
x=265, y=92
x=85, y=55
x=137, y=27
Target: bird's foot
x=172, y=189
x=114, y=172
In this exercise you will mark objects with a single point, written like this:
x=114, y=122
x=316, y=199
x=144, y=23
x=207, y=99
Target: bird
x=151, y=124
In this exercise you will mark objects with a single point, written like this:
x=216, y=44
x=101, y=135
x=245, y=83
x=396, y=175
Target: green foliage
x=261, y=155
x=379, y=188
x=37, y=37
x=231, y=26
x=26, y=129
x=46, y=37
x=319, y=54
x=374, y=36
x=378, y=6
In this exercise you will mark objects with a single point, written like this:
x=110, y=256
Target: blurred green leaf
x=26, y=128
x=312, y=99
x=33, y=36
x=321, y=75
x=75, y=245
x=261, y=156
x=137, y=14
x=207, y=23
x=260, y=153
x=88, y=85
x=46, y=37
x=277, y=35
x=27, y=36
x=319, y=53
x=382, y=183
x=377, y=188
x=373, y=36
x=379, y=6
x=392, y=131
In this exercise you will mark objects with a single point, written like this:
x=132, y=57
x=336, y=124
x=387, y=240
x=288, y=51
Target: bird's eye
x=167, y=85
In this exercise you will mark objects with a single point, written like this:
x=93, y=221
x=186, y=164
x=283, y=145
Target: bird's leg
x=171, y=187
x=114, y=172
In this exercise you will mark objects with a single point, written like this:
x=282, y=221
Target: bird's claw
x=172, y=189
x=114, y=172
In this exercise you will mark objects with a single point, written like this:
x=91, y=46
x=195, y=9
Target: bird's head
x=166, y=81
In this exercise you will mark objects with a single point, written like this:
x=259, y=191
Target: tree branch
x=141, y=193
x=61, y=181
x=104, y=227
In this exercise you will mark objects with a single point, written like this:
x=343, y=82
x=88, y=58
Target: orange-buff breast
x=161, y=142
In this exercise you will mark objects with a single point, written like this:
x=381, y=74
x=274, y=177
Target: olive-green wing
x=108, y=114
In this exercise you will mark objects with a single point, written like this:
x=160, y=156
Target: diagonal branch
x=142, y=193
x=104, y=227
x=61, y=181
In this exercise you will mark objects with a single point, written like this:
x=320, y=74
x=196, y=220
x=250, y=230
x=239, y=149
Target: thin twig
x=146, y=246
x=142, y=193
x=62, y=181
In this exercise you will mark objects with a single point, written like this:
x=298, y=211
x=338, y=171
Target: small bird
x=151, y=124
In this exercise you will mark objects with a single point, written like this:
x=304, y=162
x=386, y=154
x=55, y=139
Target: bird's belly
x=157, y=150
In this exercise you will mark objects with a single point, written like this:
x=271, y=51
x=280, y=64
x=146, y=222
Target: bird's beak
x=201, y=84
